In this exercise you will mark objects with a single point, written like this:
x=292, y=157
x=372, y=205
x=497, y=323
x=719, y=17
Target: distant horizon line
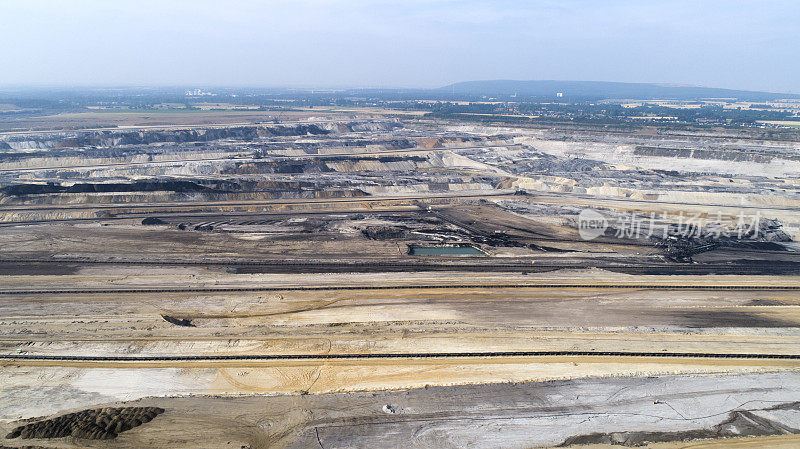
x=21, y=87
x=306, y=87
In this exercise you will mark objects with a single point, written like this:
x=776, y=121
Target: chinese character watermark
x=592, y=225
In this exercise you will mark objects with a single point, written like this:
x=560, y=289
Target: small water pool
x=446, y=251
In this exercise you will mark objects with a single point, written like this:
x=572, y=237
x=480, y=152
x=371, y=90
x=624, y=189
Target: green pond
x=446, y=251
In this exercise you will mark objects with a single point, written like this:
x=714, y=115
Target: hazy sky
x=408, y=43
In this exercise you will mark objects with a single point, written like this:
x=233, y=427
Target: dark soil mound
x=153, y=221
x=93, y=424
x=383, y=232
x=177, y=321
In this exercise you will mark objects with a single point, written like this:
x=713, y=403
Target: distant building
x=559, y=94
x=197, y=93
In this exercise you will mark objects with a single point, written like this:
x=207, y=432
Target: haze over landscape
x=740, y=44
x=358, y=224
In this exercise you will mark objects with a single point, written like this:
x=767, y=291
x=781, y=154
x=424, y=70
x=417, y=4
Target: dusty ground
x=312, y=222
x=487, y=416
x=363, y=321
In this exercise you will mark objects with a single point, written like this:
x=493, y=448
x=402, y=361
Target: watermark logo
x=591, y=224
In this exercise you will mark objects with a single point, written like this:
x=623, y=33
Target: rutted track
x=419, y=355
x=382, y=266
x=405, y=287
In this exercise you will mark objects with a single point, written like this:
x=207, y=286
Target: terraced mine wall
x=147, y=137
x=714, y=154
x=247, y=133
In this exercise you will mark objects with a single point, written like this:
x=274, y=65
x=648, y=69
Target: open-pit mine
x=369, y=277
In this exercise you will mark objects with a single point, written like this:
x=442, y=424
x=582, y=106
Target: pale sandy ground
x=358, y=321
x=403, y=320
x=340, y=403
x=69, y=384
x=774, y=442
x=144, y=276
x=412, y=320
x=510, y=415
